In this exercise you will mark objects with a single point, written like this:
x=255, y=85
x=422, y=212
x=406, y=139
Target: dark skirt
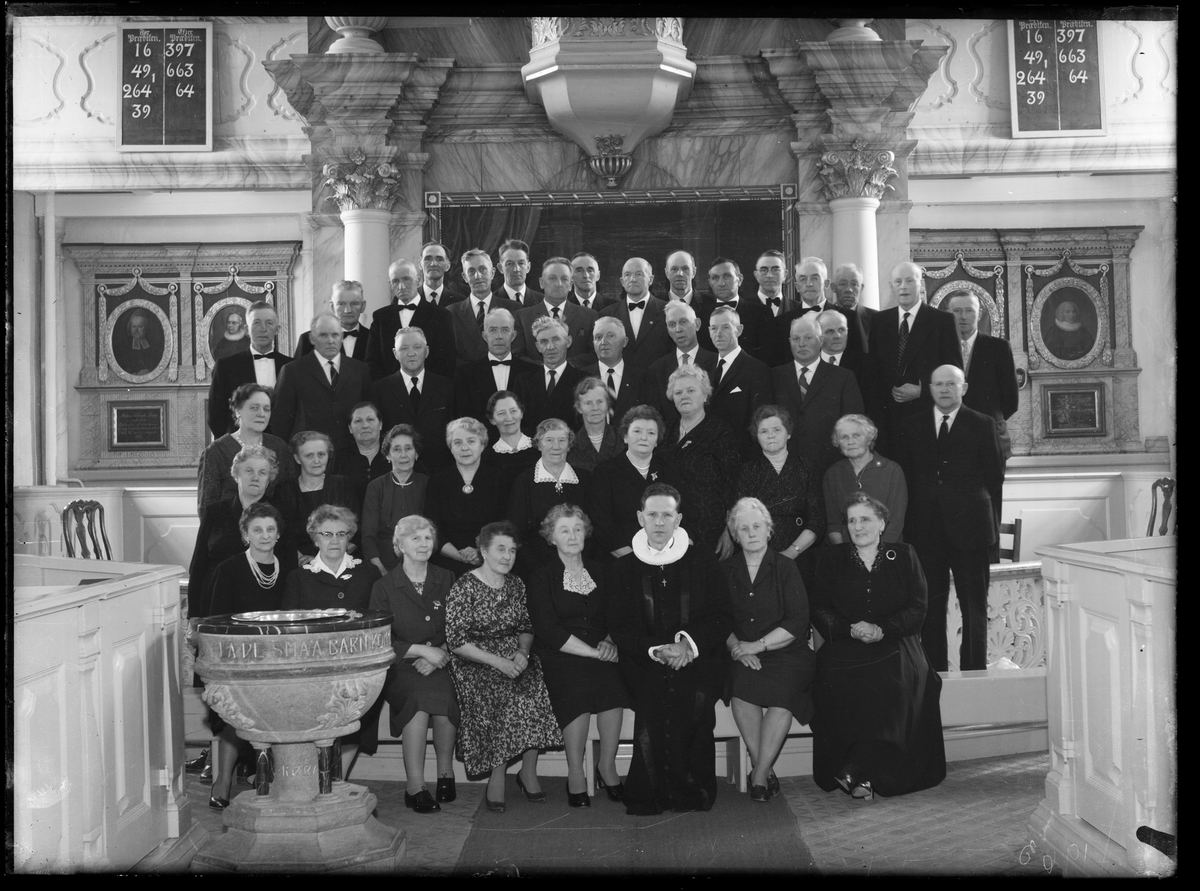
x=407, y=692
x=578, y=685
x=784, y=681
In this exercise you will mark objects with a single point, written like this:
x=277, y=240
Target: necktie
x=415, y=395
x=802, y=380
x=686, y=359
x=634, y=306
x=903, y=340
x=550, y=385
x=833, y=360
x=966, y=351
x=612, y=383
x=333, y=374
x=496, y=362
x=554, y=311
x=945, y=428
x=434, y=296
x=586, y=304
x=479, y=313
x=720, y=369
x=520, y=298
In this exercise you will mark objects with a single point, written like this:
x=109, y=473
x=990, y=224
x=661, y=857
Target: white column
x=856, y=240
x=368, y=254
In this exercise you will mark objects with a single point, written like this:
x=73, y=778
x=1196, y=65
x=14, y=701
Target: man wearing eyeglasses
x=347, y=303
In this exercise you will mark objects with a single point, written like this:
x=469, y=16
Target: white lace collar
x=542, y=475
x=675, y=549
x=504, y=448
x=318, y=565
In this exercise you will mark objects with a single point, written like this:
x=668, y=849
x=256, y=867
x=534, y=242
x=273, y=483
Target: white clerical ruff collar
x=675, y=549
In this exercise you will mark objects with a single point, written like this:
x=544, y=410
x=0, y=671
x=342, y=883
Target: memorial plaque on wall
x=137, y=425
x=166, y=87
x=1055, y=86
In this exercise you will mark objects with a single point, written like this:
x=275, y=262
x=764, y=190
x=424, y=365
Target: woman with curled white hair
x=462, y=499
x=862, y=470
x=419, y=690
x=773, y=668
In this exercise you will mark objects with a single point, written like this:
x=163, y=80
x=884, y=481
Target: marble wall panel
x=752, y=159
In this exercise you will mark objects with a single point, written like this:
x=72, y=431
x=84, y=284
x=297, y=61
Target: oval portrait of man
x=229, y=333
x=1069, y=324
x=137, y=341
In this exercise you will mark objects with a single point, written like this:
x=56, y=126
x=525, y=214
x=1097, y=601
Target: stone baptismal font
x=291, y=683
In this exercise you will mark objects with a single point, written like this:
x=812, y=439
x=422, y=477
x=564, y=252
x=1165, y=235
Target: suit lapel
x=731, y=371
x=317, y=368
x=821, y=374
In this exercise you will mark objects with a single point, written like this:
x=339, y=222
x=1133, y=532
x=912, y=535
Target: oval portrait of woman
x=229, y=333
x=137, y=341
x=1069, y=325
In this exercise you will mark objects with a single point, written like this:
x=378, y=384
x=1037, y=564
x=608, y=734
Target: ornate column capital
x=360, y=183
x=860, y=172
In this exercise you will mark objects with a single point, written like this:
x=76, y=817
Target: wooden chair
x=80, y=520
x=1013, y=554
x=1168, y=489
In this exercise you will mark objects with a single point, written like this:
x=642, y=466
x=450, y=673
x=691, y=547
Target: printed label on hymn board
x=166, y=87
x=1055, y=82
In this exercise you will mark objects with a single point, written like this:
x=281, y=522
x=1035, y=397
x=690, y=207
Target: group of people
x=523, y=516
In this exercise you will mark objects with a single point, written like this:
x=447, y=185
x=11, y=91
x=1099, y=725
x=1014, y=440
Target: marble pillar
x=366, y=254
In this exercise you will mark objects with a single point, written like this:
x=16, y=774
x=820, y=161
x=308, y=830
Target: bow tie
x=409, y=306
x=732, y=303
x=771, y=301
x=353, y=333
x=496, y=362
x=258, y=356
x=634, y=306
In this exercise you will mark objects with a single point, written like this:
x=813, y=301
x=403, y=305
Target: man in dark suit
x=435, y=264
x=409, y=310
x=725, y=280
x=951, y=463
x=641, y=314
x=513, y=263
x=907, y=342
x=260, y=364
x=468, y=315
x=475, y=382
x=626, y=383
x=740, y=382
x=681, y=274
x=815, y=394
x=991, y=380
x=835, y=336
x=347, y=303
x=681, y=325
x=549, y=392
x=847, y=287
x=771, y=274
x=556, y=282
x=585, y=273
x=417, y=396
x=319, y=391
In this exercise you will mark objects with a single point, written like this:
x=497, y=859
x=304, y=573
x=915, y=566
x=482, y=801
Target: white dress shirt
x=501, y=373
x=618, y=371
x=691, y=354
x=733, y=354
x=264, y=371
x=518, y=296
x=938, y=414
x=337, y=363
x=762, y=298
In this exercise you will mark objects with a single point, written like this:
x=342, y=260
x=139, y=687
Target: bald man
x=641, y=314
x=410, y=309
x=951, y=461
x=907, y=342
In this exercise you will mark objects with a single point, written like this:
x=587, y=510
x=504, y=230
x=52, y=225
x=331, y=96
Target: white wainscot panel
x=160, y=525
x=1065, y=508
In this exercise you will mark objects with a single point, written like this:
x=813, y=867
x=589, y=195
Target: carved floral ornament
x=858, y=173
x=545, y=29
x=362, y=185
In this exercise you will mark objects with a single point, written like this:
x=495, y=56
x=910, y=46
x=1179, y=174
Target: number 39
x=141, y=111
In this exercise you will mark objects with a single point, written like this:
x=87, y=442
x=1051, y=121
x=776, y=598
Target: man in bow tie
x=771, y=274
x=641, y=314
x=468, y=315
x=499, y=369
x=260, y=365
x=409, y=309
x=725, y=280
x=347, y=303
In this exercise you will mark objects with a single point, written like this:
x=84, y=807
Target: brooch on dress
x=468, y=488
x=891, y=555
x=654, y=476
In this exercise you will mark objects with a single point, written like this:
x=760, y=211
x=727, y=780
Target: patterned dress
x=501, y=718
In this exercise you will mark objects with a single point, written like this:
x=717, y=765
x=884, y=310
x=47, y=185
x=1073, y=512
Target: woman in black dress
x=773, y=667
x=313, y=487
x=332, y=580
x=464, y=498
x=514, y=451
x=705, y=454
x=784, y=481
x=568, y=603
x=550, y=482
x=596, y=440
x=877, y=728
x=246, y=582
x=219, y=536
x=419, y=690
x=251, y=408
x=393, y=496
x=618, y=483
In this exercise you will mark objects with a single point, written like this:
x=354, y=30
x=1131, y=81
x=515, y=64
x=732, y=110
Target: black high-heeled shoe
x=535, y=797
x=773, y=787
x=445, y=789
x=196, y=765
x=615, y=793
x=218, y=804
x=578, y=799
x=862, y=791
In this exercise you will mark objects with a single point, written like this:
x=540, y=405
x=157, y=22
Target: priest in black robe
x=670, y=616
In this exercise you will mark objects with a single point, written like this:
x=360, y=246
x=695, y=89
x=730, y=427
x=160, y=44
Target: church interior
x=310, y=150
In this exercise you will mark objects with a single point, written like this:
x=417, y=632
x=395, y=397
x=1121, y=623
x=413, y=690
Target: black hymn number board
x=166, y=87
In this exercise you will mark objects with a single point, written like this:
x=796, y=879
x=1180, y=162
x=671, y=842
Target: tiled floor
x=972, y=824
